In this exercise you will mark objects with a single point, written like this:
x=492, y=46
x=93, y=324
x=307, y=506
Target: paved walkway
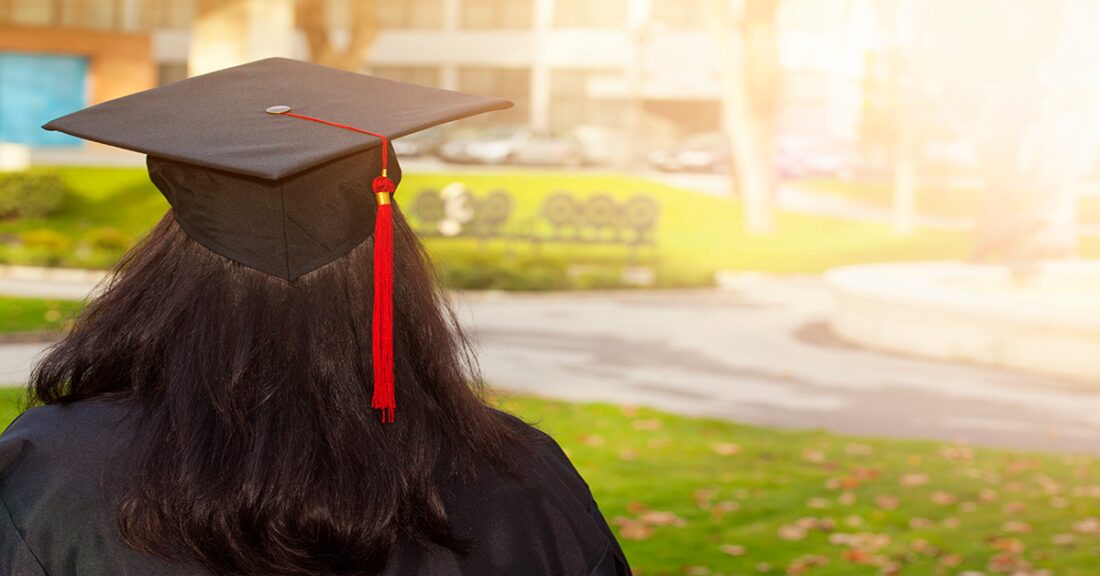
x=763, y=354
x=758, y=353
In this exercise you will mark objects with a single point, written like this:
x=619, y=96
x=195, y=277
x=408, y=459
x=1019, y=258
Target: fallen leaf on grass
x=630, y=529
x=724, y=507
x=951, y=560
x=957, y=452
x=922, y=546
x=919, y=523
x=887, y=502
x=1013, y=545
x=732, y=549
x=1090, y=525
x=913, y=479
x=804, y=563
x=1048, y=484
x=1016, y=527
x=943, y=498
x=791, y=532
x=1007, y=563
x=801, y=527
x=725, y=448
x=1063, y=539
x=703, y=496
x=866, y=541
x=812, y=455
x=1087, y=491
x=656, y=518
x=593, y=440
x=859, y=449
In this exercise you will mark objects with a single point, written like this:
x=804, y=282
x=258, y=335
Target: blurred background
x=802, y=286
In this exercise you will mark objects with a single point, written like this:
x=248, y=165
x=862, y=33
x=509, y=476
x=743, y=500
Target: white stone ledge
x=975, y=313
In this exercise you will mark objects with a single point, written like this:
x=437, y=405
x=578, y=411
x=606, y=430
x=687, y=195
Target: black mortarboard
x=277, y=194
x=271, y=163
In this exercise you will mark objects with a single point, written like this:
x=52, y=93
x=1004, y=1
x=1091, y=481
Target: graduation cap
x=282, y=166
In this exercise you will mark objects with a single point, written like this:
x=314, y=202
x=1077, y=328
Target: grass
x=704, y=497
x=695, y=236
x=698, y=234
x=30, y=314
x=948, y=202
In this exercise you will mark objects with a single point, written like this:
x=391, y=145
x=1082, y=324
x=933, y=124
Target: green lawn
x=695, y=236
x=30, y=314
x=931, y=200
x=703, y=497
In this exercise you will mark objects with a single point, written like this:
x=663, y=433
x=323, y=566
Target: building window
x=572, y=105
x=31, y=12
x=512, y=84
x=103, y=15
x=422, y=75
x=589, y=14
x=511, y=14
x=680, y=14
x=124, y=15
x=409, y=13
x=174, y=14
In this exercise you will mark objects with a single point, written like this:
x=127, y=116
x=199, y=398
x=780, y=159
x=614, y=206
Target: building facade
x=633, y=66
x=564, y=62
x=60, y=55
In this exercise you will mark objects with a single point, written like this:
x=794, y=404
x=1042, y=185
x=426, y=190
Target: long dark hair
x=259, y=451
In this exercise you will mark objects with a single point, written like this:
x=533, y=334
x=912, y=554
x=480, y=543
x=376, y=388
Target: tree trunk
x=312, y=18
x=748, y=53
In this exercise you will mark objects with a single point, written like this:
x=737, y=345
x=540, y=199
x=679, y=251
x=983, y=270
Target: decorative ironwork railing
x=563, y=217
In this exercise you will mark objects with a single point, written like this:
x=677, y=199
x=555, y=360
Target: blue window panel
x=36, y=88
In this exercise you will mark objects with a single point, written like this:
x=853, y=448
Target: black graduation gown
x=55, y=518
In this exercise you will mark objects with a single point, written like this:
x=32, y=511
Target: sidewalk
x=56, y=283
x=759, y=352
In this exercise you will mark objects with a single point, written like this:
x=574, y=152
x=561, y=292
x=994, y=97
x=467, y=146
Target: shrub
x=480, y=272
x=46, y=245
x=45, y=239
x=596, y=277
x=31, y=194
x=108, y=239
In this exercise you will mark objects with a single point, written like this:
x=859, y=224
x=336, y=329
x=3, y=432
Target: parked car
x=473, y=146
x=418, y=144
x=707, y=152
x=523, y=146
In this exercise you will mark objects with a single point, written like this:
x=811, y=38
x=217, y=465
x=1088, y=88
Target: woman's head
x=259, y=450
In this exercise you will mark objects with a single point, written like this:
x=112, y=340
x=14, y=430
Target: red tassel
x=382, y=329
x=383, y=398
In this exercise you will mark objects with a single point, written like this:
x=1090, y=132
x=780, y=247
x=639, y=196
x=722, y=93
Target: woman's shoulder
x=64, y=434
x=55, y=464
x=543, y=518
